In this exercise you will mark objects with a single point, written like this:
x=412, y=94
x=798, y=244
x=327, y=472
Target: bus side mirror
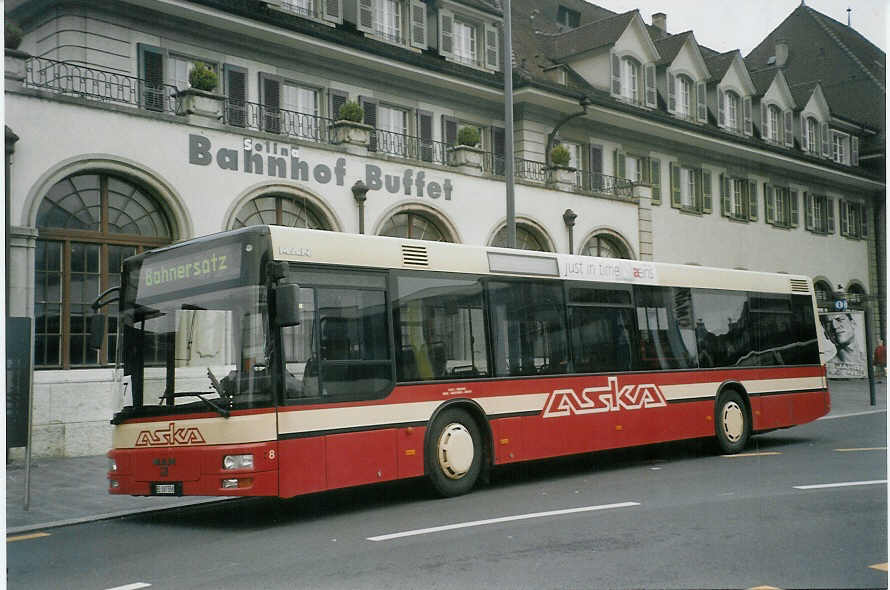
x=287, y=305
x=97, y=331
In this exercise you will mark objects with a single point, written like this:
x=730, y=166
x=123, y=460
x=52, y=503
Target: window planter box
x=351, y=133
x=14, y=64
x=466, y=158
x=198, y=102
x=562, y=177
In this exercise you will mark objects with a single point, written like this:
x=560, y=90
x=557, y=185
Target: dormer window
x=400, y=22
x=684, y=95
x=774, y=125
x=810, y=135
x=732, y=110
x=633, y=81
x=467, y=39
x=568, y=17
x=388, y=20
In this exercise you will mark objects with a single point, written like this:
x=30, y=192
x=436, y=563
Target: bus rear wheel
x=453, y=453
x=731, y=422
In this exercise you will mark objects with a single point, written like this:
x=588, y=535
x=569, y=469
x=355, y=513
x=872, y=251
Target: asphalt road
x=666, y=516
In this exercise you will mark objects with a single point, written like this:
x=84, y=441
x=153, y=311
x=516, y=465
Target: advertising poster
x=844, y=333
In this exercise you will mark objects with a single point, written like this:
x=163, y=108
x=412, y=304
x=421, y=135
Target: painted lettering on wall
x=280, y=160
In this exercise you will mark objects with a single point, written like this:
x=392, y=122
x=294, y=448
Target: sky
x=723, y=25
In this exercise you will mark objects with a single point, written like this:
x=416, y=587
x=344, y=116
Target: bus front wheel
x=731, y=422
x=454, y=453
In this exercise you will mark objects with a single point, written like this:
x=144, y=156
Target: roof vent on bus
x=415, y=255
x=799, y=286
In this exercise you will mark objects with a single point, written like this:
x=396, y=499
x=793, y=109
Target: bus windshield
x=211, y=345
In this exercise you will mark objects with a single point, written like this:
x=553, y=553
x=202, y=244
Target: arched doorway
x=87, y=224
x=277, y=209
x=414, y=225
x=606, y=246
x=527, y=238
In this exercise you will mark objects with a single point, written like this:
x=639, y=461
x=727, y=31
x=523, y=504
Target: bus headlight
x=238, y=462
x=112, y=465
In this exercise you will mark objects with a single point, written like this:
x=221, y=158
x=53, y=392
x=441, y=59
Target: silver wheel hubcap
x=733, y=422
x=455, y=450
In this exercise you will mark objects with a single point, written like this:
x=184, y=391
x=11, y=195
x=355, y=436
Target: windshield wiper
x=222, y=411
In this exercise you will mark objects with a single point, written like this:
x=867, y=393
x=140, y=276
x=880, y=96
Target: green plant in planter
x=560, y=156
x=13, y=36
x=351, y=111
x=202, y=77
x=468, y=136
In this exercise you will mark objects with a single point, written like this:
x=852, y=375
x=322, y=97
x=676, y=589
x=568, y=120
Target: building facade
x=676, y=153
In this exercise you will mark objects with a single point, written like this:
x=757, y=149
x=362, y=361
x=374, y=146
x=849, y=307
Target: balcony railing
x=111, y=87
x=93, y=84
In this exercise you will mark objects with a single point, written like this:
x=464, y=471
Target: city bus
x=273, y=361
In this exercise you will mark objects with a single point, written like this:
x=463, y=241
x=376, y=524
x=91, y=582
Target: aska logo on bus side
x=170, y=436
x=611, y=398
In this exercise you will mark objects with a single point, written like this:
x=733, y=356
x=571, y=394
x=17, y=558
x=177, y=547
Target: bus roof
x=336, y=248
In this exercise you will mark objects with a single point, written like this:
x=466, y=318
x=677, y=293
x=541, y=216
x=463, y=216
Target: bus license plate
x=164, y=489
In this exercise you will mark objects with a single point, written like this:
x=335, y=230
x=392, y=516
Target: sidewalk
x=71, y=490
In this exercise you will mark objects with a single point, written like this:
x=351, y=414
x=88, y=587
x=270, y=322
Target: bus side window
x=300, y=361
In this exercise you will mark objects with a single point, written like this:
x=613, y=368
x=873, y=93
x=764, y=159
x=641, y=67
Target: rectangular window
x=631, y=80
x=732, y=103
x=568, y=17
x=687, y=187
x=300, y=7
x=388, y=20
x=602, y=329
x=774, y=124
x=853, y=219
x=819, y=213
x=300, y=111
x=528, y=328
x=667, y=337
x=440, y=326
x=465, y=48
x=738, y=198
x=48, y=280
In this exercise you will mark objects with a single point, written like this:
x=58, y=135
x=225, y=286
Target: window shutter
x=863, y=216
x=425, y=132
x=270, y=99
x=616, y=75
x=365, y=16
x=333, y=10
x=764, y=122
x=337, y=100
x=449, y=129
x=151, y=73
x=789, y=129
x=418, y=24
x=752, y=199
x=854, y=151
x=842, y=209
x=707, y=190
x=492, y=48
x=236, y=95
x=645, y=170
x=370, y=107
x=651, y=88
x=675, y=186
x=795, y=209
x=619, y=164
x=672, y=92
x=701, y=95
x=655, y=180
x=749, y=124
x=446, y=32
x=596, y=159
x=725, y=205
x=769, y=197
x=825, y=143
x=499, y=147
x=721, y=107
x=830, y=208
x=698, y=197
x=809, y=222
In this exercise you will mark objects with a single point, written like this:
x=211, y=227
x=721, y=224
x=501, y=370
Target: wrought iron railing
x=94, y=84
x=603, y=183
x=111, y=87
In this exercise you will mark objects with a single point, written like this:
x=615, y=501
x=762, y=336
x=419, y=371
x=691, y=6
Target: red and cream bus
x=273, y=361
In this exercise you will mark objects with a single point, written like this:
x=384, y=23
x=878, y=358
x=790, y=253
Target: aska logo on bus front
x=170, y=436
x=611, y=398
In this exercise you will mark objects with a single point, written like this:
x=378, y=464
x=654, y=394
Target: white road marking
x=133, y=586
x=474, y=523
x=844, y=484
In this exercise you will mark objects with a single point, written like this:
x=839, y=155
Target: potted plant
x=348, y=128
x=561, y=174
x=467, y=154
x=199, y=98
x=14, y=60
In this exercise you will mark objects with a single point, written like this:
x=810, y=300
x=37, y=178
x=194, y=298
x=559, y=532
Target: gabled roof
x=597, y=34
x=850, y=68
x=719, y=64
x=670, y=46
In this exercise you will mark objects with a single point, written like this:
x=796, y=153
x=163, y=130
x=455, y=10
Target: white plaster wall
x=732, y=80
x=687, y=62
x=595, y=68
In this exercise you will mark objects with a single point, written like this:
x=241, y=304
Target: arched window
x=685, y=95
x=410, y=224
x=631, y=87
x=87, y=224
x=823, y=292
x=605, y=246
x=279, y=210
x=527, y=238
x=733, y=111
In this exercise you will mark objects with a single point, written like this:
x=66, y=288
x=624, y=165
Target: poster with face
x=845, y=333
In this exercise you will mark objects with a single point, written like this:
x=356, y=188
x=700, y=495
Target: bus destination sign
x=199, y=269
